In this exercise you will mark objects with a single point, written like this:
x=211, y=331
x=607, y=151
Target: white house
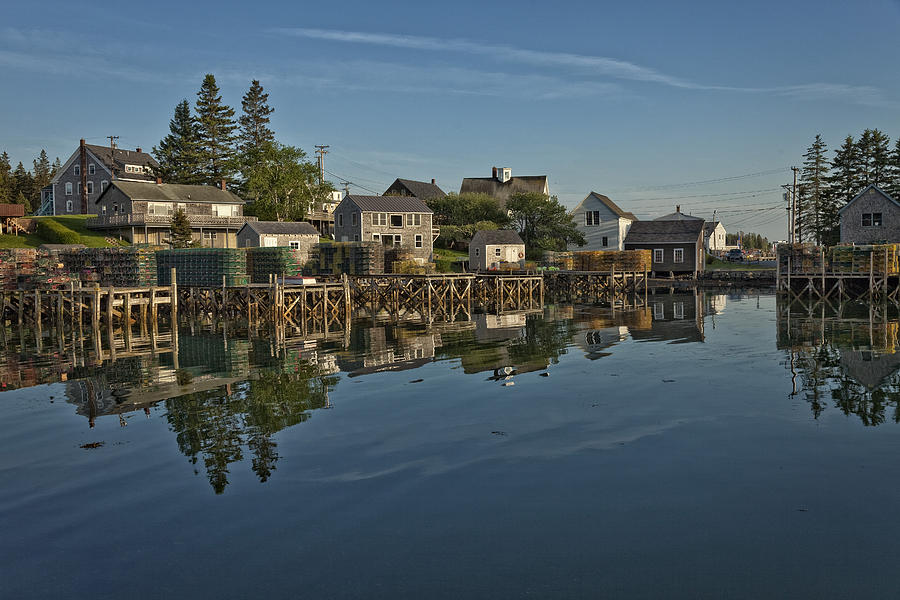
x=602, y=222
x=714, y=236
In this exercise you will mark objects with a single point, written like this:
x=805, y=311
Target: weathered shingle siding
x=364, y=229
x=67, y=175
x=870, y=201
x=693, y=256
x=611, y=226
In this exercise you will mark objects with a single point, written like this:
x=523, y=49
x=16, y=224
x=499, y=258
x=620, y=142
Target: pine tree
x=845, y=180
x=815, y=218
x=6, y=186
x=180, y=230
x=177, y=153
x=215, y=125
x=893, y=185
x=254, y=130
x=23, y=184
x=874, y=157
x=56, y=167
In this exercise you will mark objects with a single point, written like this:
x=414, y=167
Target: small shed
x=262, y=234
x=8, y=215
x=489, y=248
x=871, y=217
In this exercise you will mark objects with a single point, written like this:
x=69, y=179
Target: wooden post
x=37, y=310
x=871, y=273
x=95, y=310
x=347, y=304
x=173, y=299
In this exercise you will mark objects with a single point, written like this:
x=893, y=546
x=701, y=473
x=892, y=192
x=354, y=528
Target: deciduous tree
x=543, y=223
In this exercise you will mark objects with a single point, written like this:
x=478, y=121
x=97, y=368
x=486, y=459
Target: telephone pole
x=112, y=141
x=321, y=151
x=796, y=224
x=346, y=186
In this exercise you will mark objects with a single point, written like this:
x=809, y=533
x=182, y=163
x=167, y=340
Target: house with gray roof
x=400, y=222
x=88, y=172
x=678, y=216
x=676, y=246
x=872, y=216
x=502, y=185
x=141, y=212
x=298, y=235
x=417, y=189
x=601, y=221
x=489, y=248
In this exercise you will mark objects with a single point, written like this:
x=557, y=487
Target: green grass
x=446, y=261
x=719, y=265
x=76, y=223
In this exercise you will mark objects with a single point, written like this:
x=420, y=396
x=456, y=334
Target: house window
x=91, y=169
x=77, y=170
x=341, y=220
x=79, y=188
x=876, y=219
x=294, y=244
x=657, y=255
x=659, y=311
x=396, y=220
x=398, y=239
x=68, y=206
x=355, y=237
x=418, y=240
x=353, y=218
x=103, y=210
x=210, y=236
x=497, y=252
x=225, y=210
x=678, y=310
x=103, y=185
x=605, y=241
x=379, y=219
x=477, y=251
x=68, y=188
x=592, y=217
x=679, y=255
x=413, y=220
x=376, y=237
x=90, y=186
x=871, y=219
x=160, y=208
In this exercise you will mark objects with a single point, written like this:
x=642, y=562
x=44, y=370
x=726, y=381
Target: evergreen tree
x=893, y=185
x=845, y=180
x=181, y=230
x=177, y=153
x=215, y=126
x=874, y=157
x=6, y=186
x=56, y=167
x=23, y=184
x=254, y=131
x=43, y=171
x=813, y=190
x=21, y=199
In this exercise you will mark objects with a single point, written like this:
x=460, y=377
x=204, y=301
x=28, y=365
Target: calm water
x=706, y=446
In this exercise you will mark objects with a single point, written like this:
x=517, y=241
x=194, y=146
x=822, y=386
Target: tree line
x=826, y=185
x=208, y=144
x=20, y=186
x=748, y=241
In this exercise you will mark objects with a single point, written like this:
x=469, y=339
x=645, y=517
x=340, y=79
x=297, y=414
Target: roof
x=678, y=216
x=664, y=232
x=420, y=189
x=171, y=192
x=709, y=227
x=502, y=191
x=871, y=186
x=404, y=204
x=282, y=227
x=117, y=159
x=497, y=237
x=610, y=205
x=12, y=210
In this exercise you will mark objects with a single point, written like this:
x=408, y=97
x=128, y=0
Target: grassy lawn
x=445, y=260
x=20, y=241
x=719, y=265
x=91, y=239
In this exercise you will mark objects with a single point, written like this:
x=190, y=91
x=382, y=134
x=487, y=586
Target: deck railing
x=142, y=219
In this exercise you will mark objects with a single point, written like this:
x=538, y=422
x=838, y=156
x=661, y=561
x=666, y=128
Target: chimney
x=138, y=149
x=159, y=181
x=678, y=208
x=222, y=185
x=432, y=181
x=494, y=172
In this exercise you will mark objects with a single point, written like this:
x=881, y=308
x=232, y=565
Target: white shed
x=489, y=248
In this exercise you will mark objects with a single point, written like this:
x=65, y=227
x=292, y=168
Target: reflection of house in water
x=389, y=348
x=677, y=317
x=596, y=332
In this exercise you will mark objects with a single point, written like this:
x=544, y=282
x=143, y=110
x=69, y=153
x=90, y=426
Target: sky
x=702, y=104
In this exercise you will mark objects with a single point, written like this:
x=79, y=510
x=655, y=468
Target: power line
x=775, y=189
x=348, y=182
x=704, y=182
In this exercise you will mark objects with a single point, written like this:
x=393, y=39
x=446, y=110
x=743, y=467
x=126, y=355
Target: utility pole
x=82, y=149
x=321, y=151
x=112, y=142
x=787, y=207
x=112, y=154
x=796, y=224
x=346, y=186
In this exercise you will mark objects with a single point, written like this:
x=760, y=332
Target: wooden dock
x=589, y=286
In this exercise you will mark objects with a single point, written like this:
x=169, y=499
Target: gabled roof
x=282, y=227
x=678, y=216
x=118, y=158
x=608, y=204
x=420, y=189
x=497, y=237
x=171, y=192
x=502, y=191
x=403, y=204
x=871, y=186
x=664, y=232
x=710, y=226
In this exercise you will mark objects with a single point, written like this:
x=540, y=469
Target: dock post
x=37, y=310
x=173, y=299
x=95, y=309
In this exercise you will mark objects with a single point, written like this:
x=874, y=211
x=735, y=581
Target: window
x=678, y=310
x=210, y=235
x=103, y=185
x=497, y=252
x=871, y=220
x=295, y=245
x=77, y=170
x=679, y=255
x=398, y=239
x=353, y=218
x=396, y=220
x=68, y=206
x=68, y=188
x=379, y=219
x=160, y=208
x=591, y=217
x=659, y=311
x=90, y=186
x=103, y=210
x=225, y=210
x=413, y=220
x=657, y=255
x=477, y=251
x=376, y=237
x=355, y=237
x=79, y=188
x=418, y=240
x=605, y=241
x=876, y=219
x=91, y=169
x=341, y=220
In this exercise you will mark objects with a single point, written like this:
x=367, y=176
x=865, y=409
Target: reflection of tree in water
x=218, y=428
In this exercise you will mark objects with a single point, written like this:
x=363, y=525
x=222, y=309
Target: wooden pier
x=589, y=286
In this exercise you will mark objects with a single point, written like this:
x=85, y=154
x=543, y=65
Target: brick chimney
x=222, y=185
x=432, y=181
x=138, y=149
x=678, y=208
x=494, y=172
x=159, y=181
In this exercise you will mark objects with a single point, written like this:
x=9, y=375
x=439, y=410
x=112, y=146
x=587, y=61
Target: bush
x=54, y=233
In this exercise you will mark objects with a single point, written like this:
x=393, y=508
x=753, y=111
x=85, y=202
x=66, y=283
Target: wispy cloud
x=588, y=64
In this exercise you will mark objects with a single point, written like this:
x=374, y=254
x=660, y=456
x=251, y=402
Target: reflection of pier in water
x=843, y=353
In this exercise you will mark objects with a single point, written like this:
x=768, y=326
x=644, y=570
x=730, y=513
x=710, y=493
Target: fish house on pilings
x=873, y=216
x=676, y=246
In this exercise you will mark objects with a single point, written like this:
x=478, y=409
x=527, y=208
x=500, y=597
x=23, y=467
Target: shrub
x=54, y=233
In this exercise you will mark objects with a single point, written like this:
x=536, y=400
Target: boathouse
x=872, y=216
x=676, y=246
x=489, y=249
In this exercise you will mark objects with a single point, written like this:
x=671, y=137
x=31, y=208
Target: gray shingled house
x=417, y=189
x=141, y=212
x=489, y=248
x=601, y=221
x=400, y=222
x=872, y=216
x=502, y=185
x=676, y=246
x=297, y=235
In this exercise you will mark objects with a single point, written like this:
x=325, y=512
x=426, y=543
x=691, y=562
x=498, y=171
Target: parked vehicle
x=735, y=255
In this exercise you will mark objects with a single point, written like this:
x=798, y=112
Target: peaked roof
x=678, y=216
x=282, y=227
x=664, y=231
x=871, y=186
x=709, y=227
x=420, y=189
x=407, y=204
x=171, y=192
x=502, y=191
x=116, y=159
x=610, y=205
x=496, y=237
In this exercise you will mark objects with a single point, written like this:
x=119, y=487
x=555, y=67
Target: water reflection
x=845, y=356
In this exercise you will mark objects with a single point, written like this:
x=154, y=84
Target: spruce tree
x=177, y=153
x=874, y=157
x=893, y=185
x=845, y=180
x=23, y=184
x=817, y=216
x=180, y=230
x=215, y=126
x=57, y=165
x=6, y=186
x=254, y=130
x=42, y=170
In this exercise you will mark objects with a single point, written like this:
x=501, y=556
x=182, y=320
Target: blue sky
x=627, y=99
